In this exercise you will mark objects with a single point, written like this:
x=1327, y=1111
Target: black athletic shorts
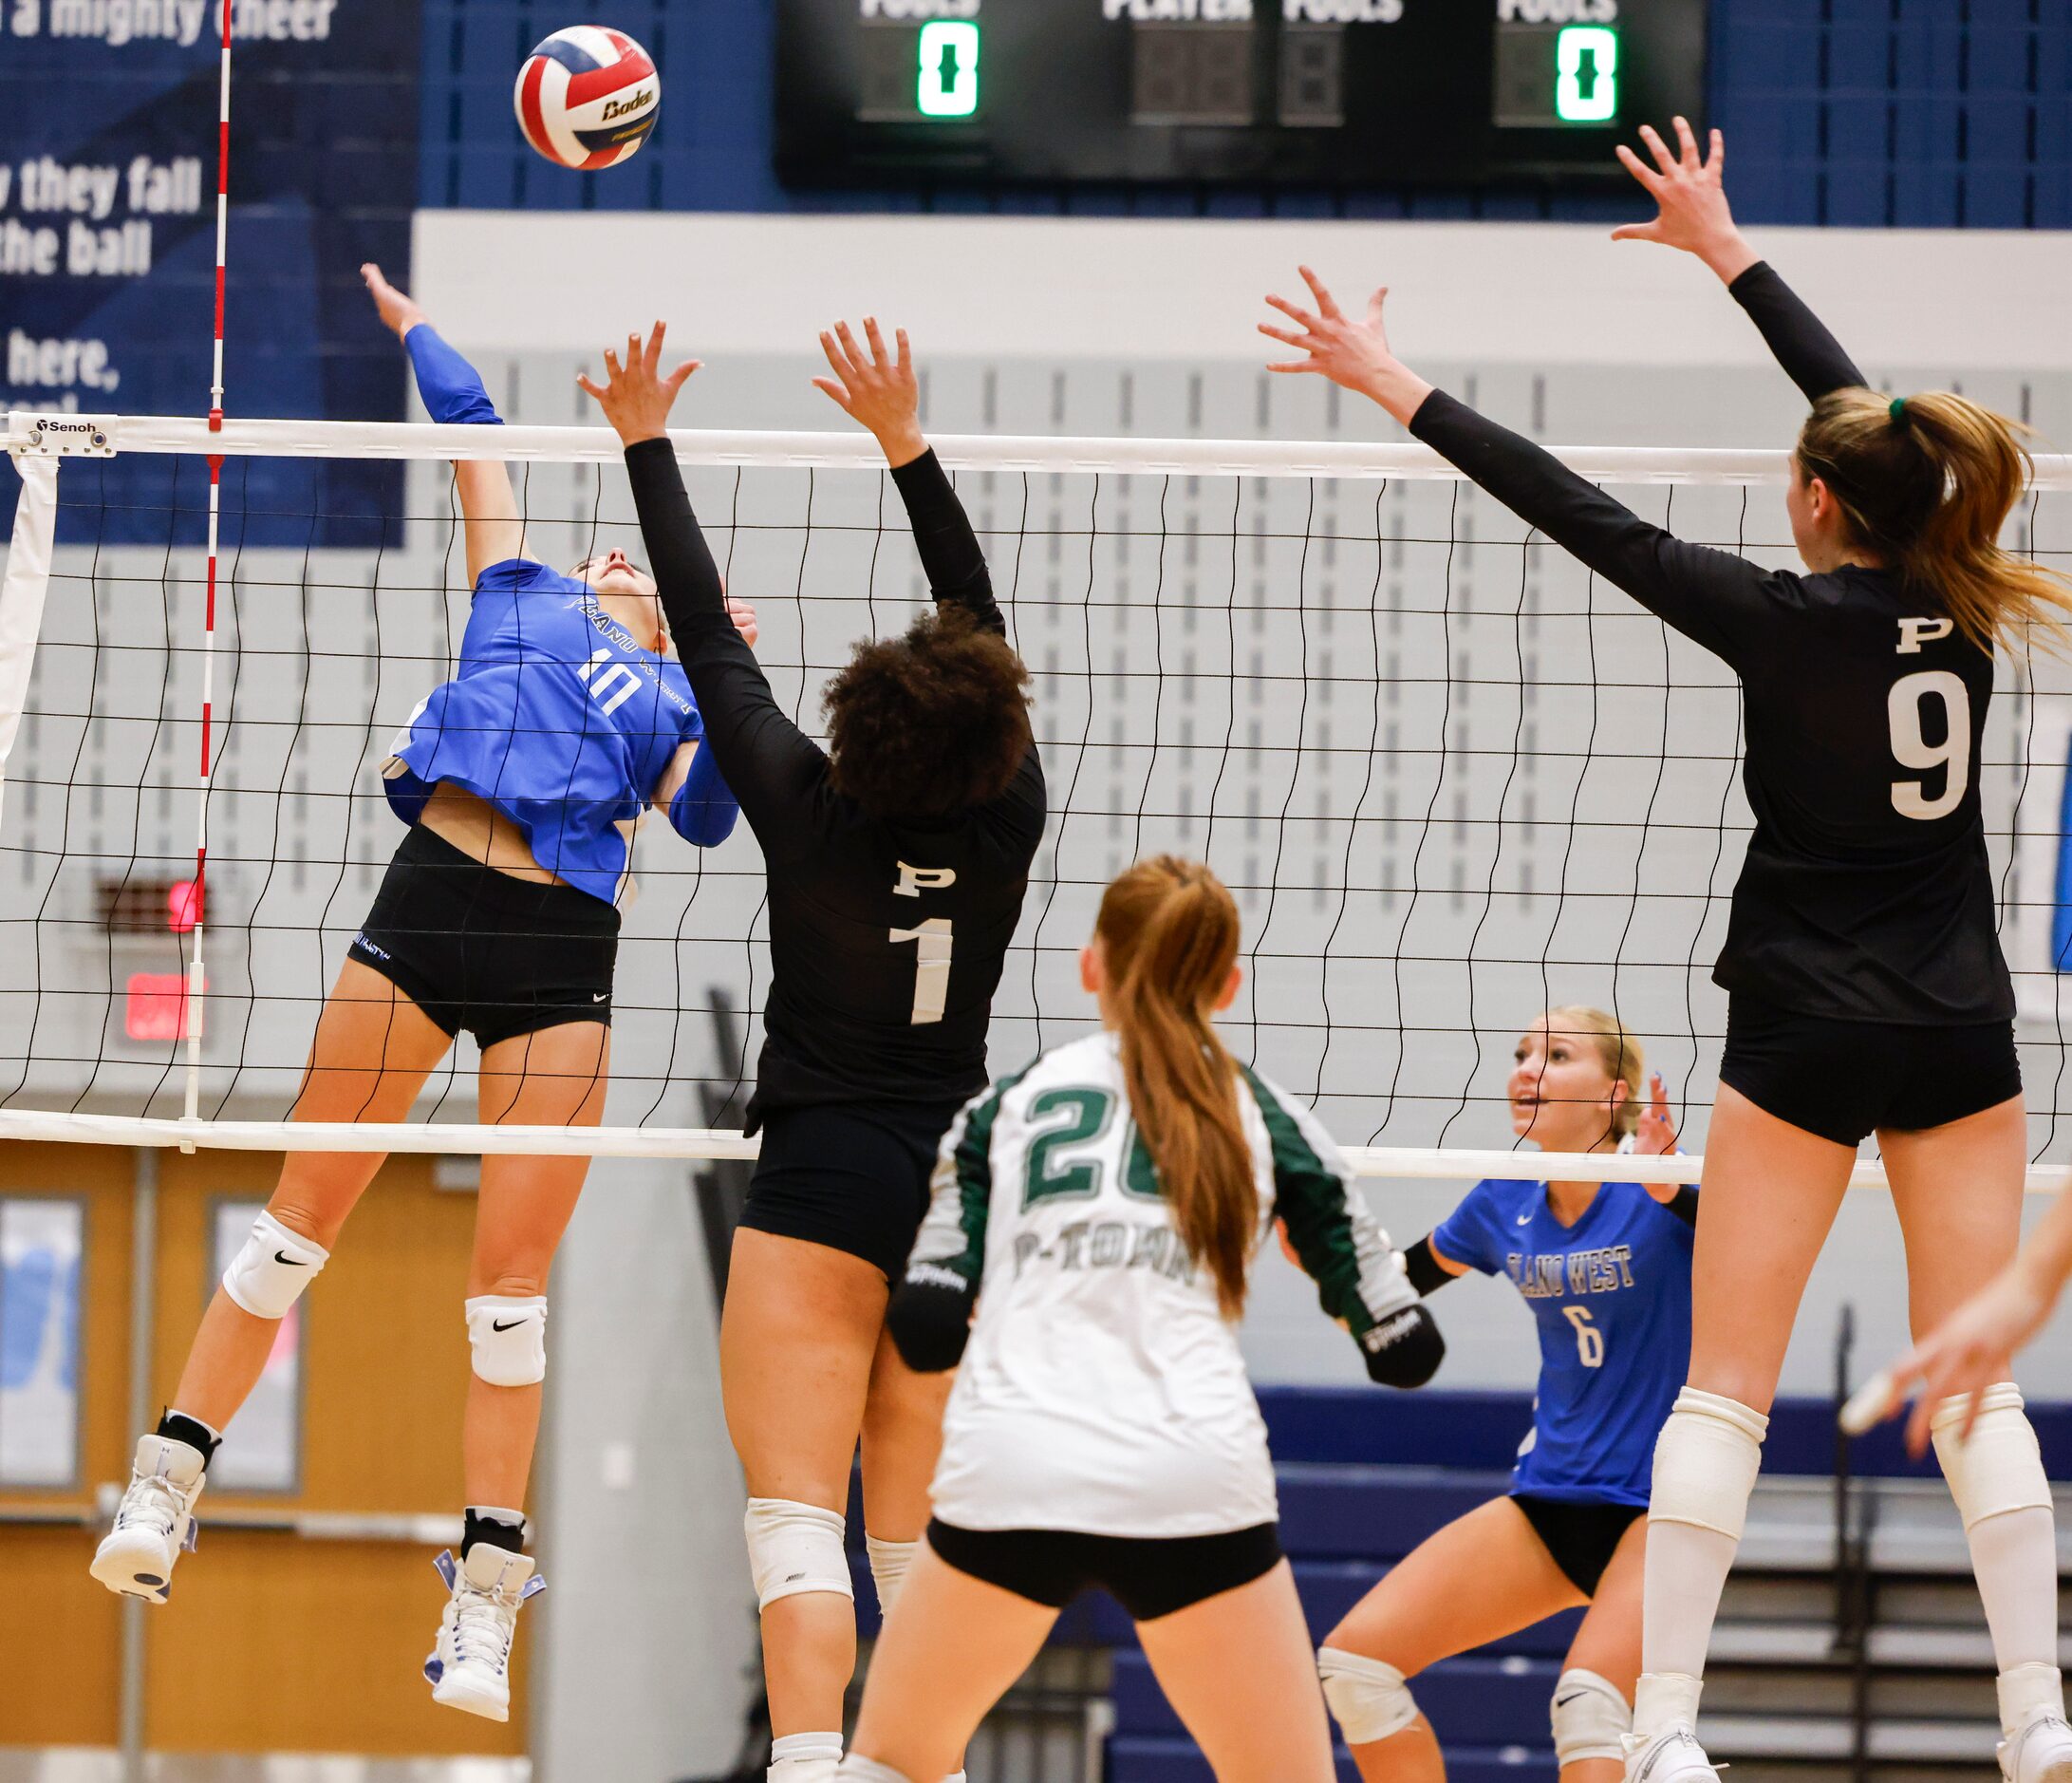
x=852, y=1175
x=1148, y=1576
x=1846, y=1079
x=1580, y=1537
x=480, y=950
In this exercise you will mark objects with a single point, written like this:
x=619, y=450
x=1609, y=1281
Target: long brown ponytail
x=1168, y=933
x=1927, y=482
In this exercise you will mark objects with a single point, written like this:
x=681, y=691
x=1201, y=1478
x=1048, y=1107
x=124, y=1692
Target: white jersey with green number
x=1102, y=1390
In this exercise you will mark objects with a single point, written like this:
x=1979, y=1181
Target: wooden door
x=272, y=1640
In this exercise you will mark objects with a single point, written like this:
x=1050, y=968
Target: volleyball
x=587, y=97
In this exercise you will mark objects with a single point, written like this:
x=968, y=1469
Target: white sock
x=1705, y=1463
x=1996, y=1476
x=805, y=1759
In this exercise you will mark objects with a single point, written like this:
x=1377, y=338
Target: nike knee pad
x=268, y=1274
x=1706, y=1462
x=889, y=1561
x=1590, y=1718
x=793, y=1548
x=1997, y=1467
x=507, y=1338
x=1371, y=1699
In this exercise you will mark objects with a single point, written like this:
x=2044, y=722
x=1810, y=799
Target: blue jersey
x=1612, y=1296
x=560, y=720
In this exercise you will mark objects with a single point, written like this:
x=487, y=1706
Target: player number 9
x=1911, y=750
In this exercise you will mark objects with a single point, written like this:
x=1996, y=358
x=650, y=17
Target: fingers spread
x=611, y=363
x=829, y=387
x=848, y=344
x=1284, y=336
x=1638, y=168
x=878, y=354
x=1292, y=364
x=1658, y=148
x=906, y=351
x=1295, y=312
x=1325, y=303
x=653, y=357
x=1687, y=145
x=583, y=378
x=1716, y=165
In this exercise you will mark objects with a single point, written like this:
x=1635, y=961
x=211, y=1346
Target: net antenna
x=1262, y=595
x=198, y=982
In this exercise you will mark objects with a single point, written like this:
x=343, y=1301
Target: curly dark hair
x=924, y=726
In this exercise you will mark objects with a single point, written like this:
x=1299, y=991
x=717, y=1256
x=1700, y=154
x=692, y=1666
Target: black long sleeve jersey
x=887, y=941
x=1866, y=894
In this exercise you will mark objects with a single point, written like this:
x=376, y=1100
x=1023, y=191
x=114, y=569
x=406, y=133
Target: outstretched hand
x=636, y=397
x=1690, y=192
x=397, y=309
x=1655, y=1133
x=877, y=389
x=1353, y=355
x=1967, y=1352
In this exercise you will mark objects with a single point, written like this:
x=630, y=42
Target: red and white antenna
x=196, y=977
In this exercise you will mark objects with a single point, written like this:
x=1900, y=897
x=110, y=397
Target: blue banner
x=108, y=132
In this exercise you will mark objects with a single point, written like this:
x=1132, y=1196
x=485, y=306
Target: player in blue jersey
x=523, y=779
x=1605, y=1267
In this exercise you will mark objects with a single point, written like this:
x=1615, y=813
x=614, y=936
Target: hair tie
x=1897, y=410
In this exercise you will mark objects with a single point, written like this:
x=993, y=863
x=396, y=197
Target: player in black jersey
x=1867, y=991
x=898, y=859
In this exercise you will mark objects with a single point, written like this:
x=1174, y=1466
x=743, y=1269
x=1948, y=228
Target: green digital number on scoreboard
x=1314, y=93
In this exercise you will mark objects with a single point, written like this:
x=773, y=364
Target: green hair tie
x=1897, y=408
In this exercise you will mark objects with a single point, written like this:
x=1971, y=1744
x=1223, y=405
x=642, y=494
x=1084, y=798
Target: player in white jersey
x=1102, y=1209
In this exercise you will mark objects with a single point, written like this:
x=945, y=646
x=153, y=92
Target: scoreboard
x=1296, y=92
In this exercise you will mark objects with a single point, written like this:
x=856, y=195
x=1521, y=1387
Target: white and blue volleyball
x=587, y=97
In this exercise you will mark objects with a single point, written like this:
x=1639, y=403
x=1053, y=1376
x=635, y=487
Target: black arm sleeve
x=769, y=763
x=1713, y=598
x=949, y=550
x=1428, y=1274
x=1811, y=358
x=1684, y=1204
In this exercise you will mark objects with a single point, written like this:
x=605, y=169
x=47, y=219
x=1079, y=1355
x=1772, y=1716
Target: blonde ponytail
x=1168, y=932
x=1927, y=482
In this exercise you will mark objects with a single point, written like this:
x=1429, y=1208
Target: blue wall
x=1909, y=113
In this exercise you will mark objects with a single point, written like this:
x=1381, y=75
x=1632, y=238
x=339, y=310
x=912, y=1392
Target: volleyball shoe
x=469, y=1666
x=154, y=1522
x=1672, y=1756
x=2041, y=1753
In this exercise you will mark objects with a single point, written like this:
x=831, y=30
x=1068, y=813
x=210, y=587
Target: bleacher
x=1880, y=1670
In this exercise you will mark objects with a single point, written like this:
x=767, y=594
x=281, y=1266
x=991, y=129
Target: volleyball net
x=1451, y=779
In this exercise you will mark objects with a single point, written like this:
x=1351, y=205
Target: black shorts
x=478, y=950
x=1580, y=1537
x=1148, y=1576
x=1844, y=1080
x=852, y=1175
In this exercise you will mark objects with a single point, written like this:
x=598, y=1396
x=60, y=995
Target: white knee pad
x=889, y=1561
x=1590, y=1718
x=268, y=1275
x=1705, y=1463
x=1997, y=1467
x=793, y=1548
x=506, y=1337
x=1370, y=1698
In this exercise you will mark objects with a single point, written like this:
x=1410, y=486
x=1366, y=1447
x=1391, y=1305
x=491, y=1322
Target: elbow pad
x=704, y=811
x=1404, y=1349
x=929, y=1317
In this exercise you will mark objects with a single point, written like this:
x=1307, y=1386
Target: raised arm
x=1695, y=217
x=451, y=390
x=1713, y=598
x=879, y=390
x=769, y=765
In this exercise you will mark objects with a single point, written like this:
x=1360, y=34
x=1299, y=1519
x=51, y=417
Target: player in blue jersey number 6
x=522, y=779
x=1605, y=1267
